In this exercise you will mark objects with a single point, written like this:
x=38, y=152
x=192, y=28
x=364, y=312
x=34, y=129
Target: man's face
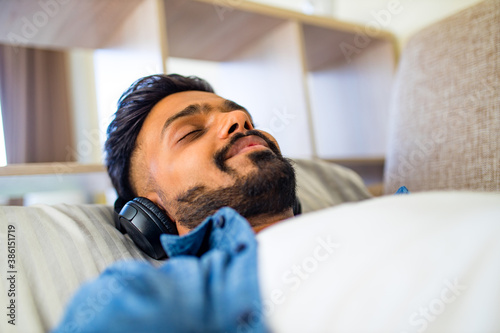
x=197, y=152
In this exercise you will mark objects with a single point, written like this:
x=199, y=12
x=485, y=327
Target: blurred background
x=316, y=74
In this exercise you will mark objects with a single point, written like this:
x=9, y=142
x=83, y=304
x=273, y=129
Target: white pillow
x=412, y=263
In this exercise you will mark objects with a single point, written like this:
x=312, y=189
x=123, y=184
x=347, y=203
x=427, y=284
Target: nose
x=233, y=122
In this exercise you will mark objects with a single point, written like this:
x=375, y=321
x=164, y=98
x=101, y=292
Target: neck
x=261, y=222
x=258, y=222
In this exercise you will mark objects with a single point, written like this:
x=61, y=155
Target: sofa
x=444, y=131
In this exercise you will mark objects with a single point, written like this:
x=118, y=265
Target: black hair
x=133, y=107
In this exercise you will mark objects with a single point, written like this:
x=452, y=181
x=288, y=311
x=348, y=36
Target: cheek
x=192, y=167
x=184, y=172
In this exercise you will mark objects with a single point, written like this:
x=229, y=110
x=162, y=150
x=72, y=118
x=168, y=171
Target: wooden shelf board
x=371, y=171
x=287, y=14
x=196, y=31
x=86, y=24
x=370, y=161
x=49, y=168
x=322, y=47
x=207, y=30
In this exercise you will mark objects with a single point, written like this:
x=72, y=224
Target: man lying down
x=177, y=153
x=199, y=185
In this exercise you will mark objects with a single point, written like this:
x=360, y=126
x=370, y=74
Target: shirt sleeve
x=215, y=291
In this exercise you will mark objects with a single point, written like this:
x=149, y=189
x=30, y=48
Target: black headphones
x=145, y=222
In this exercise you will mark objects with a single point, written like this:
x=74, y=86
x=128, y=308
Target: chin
x=266, y=190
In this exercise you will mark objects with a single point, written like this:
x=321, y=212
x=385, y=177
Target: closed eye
x=197, y=132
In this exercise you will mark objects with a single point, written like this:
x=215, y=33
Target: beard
x=267, y=190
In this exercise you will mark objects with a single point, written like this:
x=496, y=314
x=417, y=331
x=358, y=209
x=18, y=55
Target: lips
x=244, y=144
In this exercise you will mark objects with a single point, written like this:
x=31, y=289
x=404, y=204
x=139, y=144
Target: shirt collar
x=226, y=229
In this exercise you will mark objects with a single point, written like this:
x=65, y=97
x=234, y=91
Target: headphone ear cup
x=145, y=222
x=170, y=226
x=119, y=203
x=297, y=207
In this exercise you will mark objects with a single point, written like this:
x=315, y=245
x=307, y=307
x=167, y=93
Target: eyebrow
x=195, y=109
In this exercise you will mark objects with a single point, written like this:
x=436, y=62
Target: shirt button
x=240, y=247
x=220, y=222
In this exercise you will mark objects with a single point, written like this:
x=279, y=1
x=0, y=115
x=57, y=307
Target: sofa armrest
x=445, y=114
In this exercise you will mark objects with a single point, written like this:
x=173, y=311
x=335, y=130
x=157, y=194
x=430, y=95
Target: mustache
x=220, y=155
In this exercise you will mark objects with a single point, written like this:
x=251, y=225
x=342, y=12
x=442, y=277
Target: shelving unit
x=68, y=180
x=313, y=96
x=297, y=74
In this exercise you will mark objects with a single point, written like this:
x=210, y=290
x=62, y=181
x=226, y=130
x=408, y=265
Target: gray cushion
x=321, y=184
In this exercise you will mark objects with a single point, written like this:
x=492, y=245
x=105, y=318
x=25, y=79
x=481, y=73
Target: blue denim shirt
x=209, y=284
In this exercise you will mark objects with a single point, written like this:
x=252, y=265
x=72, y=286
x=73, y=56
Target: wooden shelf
x=322, y=46
x=49, y=168
x=85, y=24
x=371, y=170
x=286, y=67
x=18, y=180
x=196, y=31
x=208, y=31
x=374, y=161
x=289, y=15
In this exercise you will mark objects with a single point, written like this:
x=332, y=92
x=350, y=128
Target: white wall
x=84, y=105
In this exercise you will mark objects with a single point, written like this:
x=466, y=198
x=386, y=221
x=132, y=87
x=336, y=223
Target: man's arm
x=216, y=291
